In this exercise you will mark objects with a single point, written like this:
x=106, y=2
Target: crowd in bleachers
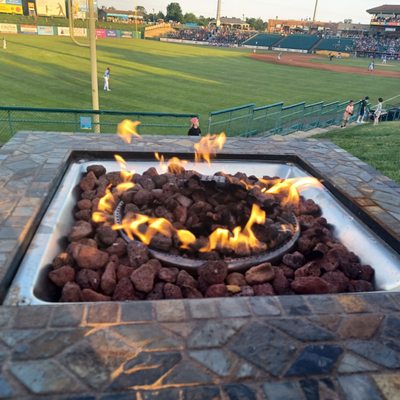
x=394, y=18
x=216, y=37
x=377, y=44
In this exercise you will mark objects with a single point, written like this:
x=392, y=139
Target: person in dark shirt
x=195, y=128
x=364, y=109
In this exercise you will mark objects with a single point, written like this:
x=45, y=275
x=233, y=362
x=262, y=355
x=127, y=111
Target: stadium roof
x=225, y=20
x=385, y=9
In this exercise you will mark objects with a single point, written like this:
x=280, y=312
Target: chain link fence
x=14, y=119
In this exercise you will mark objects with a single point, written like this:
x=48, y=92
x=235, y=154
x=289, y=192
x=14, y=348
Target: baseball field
x=162, y=77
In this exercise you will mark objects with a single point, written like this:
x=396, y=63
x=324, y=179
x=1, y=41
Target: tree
x=257, y=24
x=160, y=15
x=190, y=17
x=174, y=12
x=140, y=10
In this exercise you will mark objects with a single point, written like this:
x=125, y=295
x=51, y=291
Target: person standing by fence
x=364, y=109
x=106, y=77
x=194, y=128
x=4, y=43
x=348, y=112
x=378, y=111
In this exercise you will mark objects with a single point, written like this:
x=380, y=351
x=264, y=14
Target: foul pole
x=219, y=13
x=315, y=10
x=93, y=65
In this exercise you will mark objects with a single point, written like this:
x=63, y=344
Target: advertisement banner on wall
x=111, y=33
x=126, y=34
x=101, y=33
x=45, y=30
x=8, y=28
x=81, y=32
x=62, y=31
x=11, y=6
x=50, y=8
x=28, y=29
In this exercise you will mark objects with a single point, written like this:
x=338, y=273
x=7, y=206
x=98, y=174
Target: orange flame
x=208, y=147
x=125, y=175
x=293, y=187
x=126, y=129
x=105, y=207
x=243, y=240
x=174, y=165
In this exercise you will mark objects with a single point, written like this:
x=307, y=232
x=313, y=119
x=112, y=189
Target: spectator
x=348, y=112
x=364, y=110
x=378, y=111
x=195, y=128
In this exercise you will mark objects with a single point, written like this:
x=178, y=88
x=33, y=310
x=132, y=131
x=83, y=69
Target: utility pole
x=315, y=10
x=93, y=65
x=219, y=13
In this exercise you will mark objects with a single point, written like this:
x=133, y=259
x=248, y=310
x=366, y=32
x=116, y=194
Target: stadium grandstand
x=298, y=42
x=335, y=44
x=263, y=40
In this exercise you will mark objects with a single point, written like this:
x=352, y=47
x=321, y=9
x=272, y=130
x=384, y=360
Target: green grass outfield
x=162, y=77
x=376, y=145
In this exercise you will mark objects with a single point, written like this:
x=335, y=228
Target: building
x=385, y=20
x=290, y=26
x=231, y=23
x=350, y=29
x=112, y=15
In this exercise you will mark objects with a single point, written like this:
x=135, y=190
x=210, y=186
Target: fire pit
x=31, y=285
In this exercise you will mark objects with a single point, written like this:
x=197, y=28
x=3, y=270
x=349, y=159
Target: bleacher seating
x=299, y=42
x=336, y=44
x=263, y=40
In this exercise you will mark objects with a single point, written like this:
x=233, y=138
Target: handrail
x=212, y=113
x=268, y=106
x=101, y=112
x=293, y=106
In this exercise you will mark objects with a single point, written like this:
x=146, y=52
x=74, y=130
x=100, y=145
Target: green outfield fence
x=14, y=119
x=277, y=119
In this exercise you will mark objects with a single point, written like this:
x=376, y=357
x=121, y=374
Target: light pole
x=315, y=10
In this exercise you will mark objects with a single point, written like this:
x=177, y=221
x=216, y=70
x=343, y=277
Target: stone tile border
x=344, y=346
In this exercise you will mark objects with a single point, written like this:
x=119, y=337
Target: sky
x=328, y=10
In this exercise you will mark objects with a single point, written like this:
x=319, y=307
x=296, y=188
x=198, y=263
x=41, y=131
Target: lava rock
x=190, y=292
x=88, y=278
x=310, y=269
x=245, y=291
x=361, y=286
x=117, y=248
x=236, y=278
x=84, y=204
x=172, y=291
x=80, y=230
x=280, y=283
x=310, y=285
x=218, y=290
x=143, y=278
x=155, y=264
x=62, y=275
x=109, y=279
x=367, y=273
x=71, y=293
x=213, y=272
x=161, y=242
x=338, y=281
x=260, y=274
x=295, y=260
x=264, y=289
x=83, y=215
x=89, y=182
x=124, y=271
x=90, y=257
x=185, y=279
x=62, y=259
x=168, y=274
x=143, y=197
x=138, y=253
x=157, y=293
x=124, y=290
x=106, y=235
x=91, y=295
x=97, y=169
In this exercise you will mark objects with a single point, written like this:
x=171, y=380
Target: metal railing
x=277, y=119
x=14, y=119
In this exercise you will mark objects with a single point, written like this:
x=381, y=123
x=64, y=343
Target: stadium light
x=218, y=23
x=315, y=10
